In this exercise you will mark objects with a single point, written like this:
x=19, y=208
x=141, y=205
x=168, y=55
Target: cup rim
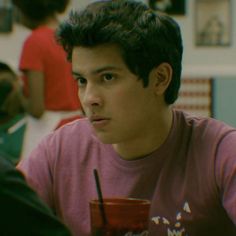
x=122, y=201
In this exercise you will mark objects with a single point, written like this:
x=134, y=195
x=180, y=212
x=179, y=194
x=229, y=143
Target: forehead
x=92, y=58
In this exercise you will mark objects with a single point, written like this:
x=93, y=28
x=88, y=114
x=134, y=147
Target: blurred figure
x=12, y=116
x=22, y=212
x=49, y=88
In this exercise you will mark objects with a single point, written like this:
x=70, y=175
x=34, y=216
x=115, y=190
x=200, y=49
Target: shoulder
x=63, y=144
x=38, y=35
x=72, y=136
x=79, y=127
x=203, y=126
x=210, y=140
x=226, y=152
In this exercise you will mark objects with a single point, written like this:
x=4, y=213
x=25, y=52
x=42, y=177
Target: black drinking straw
x=100, y=197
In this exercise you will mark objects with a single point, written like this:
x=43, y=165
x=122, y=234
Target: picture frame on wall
x=172, y=7
x=213, y=22
x=6, y=16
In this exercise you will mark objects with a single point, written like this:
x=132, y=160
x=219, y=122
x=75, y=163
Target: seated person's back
x=21, y=211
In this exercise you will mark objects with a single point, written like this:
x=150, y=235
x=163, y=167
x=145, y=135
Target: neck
x=151, y=139
x=51, y=22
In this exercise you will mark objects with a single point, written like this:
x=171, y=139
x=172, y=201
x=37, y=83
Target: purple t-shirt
x=190, y=179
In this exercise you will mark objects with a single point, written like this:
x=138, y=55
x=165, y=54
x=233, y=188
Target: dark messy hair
x=6, y=68
x=146, y=38
x=5, y=85
x=40, y=9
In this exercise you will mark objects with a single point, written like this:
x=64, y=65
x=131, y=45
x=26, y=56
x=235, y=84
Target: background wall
x=217, y=62
x=224, y=99
x=211, y=61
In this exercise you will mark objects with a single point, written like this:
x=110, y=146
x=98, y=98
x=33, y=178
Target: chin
x=106, y=138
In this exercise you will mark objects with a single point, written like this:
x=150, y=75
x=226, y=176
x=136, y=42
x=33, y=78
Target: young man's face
x=119, y=108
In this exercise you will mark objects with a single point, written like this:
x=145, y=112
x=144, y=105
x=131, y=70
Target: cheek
x=120, y=98
x=80, y=97
x=81, y=93
x=126, y=101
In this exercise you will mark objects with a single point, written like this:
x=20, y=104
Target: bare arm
x=34, y=105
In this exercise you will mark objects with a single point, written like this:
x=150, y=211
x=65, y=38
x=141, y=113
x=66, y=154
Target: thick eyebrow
x=99, y=70
x=76, y=74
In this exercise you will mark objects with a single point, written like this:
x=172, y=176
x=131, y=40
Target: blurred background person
x=49, y=88
x=12, y=116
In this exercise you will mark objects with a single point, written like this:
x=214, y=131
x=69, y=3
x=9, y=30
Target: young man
x=127, y=61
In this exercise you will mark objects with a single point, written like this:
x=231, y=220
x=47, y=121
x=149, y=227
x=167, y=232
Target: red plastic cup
x=124, y=217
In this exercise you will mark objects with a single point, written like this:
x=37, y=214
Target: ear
x=161, y=77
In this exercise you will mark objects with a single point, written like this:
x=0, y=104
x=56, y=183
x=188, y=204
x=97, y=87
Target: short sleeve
x=32, y=54
x=226, y=173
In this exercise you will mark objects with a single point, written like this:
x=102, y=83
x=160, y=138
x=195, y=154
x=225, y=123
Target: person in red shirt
x=49, y=88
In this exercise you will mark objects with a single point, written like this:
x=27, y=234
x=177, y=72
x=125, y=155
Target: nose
x=90, y=96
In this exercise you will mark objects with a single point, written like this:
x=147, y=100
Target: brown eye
x=81, y=81
x=108, y=77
